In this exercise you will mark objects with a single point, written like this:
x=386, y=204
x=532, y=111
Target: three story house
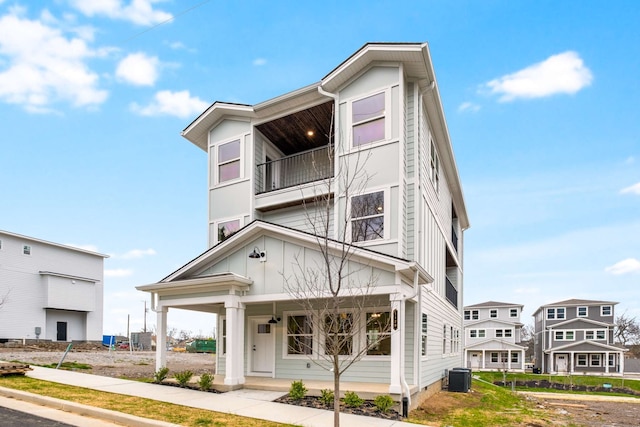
x=287, y=194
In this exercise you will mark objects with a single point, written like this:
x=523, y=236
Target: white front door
x=475, y=361
x=561, y=363
x=262, y=346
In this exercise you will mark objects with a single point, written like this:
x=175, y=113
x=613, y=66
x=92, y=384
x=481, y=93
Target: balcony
x=451, y=293
x=454, y=238
x=297, y=169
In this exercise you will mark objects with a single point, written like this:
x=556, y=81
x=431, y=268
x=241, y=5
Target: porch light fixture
x=258, y=254
x=274, y=319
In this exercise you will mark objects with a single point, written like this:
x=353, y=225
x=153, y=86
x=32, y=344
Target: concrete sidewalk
x=246, y=403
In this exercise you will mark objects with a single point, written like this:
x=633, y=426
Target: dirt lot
x=118, y=363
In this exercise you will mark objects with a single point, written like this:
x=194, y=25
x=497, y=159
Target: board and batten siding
x=303, y=218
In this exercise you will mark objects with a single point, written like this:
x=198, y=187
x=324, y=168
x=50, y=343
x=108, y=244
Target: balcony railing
x=451, y=293
x=298, y=169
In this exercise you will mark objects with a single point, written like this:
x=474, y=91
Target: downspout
x=406, y=392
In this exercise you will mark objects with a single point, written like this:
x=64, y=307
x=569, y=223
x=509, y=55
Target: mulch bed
x=367, y=408
x=568, y=387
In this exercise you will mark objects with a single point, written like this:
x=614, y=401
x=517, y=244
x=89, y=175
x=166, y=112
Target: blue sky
x=540, y=99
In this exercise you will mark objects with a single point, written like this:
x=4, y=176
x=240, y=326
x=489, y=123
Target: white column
x=161, y=338
x=522, y=354
x=397, y=343
x=484, y=357
x=621, y=360
x=234, y=370
x=606, y=362
x=572, y=361
x=508, y=360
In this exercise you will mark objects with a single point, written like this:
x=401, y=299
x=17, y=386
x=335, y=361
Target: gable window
x=367, y=118
x=299, y=335
x=339, y=334
x=423, y=334
x=367, y=217
x=435, y=167
x=493, y=314
x=474, y=314
x=513, y=312
x=227, y=229
x=606, y=310
x=378, y=334
x=26, y=249
x=582, y=360
x=583, y=311
x=229, y=161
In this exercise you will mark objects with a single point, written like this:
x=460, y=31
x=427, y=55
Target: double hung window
x=339, y=330
x=423, y=333
x=606, y=310
x=229, y=161
x=367, y=217
x=299, y=335
x=368, y=119
x=378, y=334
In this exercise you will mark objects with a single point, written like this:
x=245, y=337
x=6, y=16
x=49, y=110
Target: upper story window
x=477, y=333
x=367, y=217
x=26, y=249
x=424, y=334
x=467, y=315
x=229, y=161
x=493, y=314
x=227, y=228
x=367, y=118
x=513, y=312
x=378, y=334
x=583, y=311
x=556, y=313
x=435, y=167
x=474, y=314
x=506, y=333
x=606, y=310
x=564, y=335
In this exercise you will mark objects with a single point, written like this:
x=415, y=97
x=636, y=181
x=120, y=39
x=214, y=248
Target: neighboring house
x=49, y=291
x=269, y=162
x=576, y=336
x=492, y=333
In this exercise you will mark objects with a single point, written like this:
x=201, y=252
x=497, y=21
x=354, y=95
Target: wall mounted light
x=258, y=254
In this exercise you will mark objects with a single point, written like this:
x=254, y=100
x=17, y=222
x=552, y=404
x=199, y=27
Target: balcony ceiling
x=291, y=133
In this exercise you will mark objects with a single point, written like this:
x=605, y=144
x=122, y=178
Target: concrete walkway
x=246, y=403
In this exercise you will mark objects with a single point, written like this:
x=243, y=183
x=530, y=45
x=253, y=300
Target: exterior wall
x=38, y=299
x=300, y=217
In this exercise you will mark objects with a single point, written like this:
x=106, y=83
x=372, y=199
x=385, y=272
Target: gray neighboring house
x=576, y=336
x=49, y=291
x=492, y=333
x=268, y=163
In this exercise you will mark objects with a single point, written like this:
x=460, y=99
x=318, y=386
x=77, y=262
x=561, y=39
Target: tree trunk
x=336, y=392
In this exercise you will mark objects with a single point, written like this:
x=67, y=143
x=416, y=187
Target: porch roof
x=495, y=345
x=210, y=283
x=584, y=347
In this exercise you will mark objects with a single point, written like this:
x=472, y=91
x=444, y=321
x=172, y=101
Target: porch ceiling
x=290, y=133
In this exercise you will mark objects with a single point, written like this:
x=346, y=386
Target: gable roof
x=45, y=242
x=580, y=320
x=495, y=344
x=476, y=323
x=574, y=302
x=492, y=304
x=585, y=346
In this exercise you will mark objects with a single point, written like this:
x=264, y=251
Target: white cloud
x=44, y=66
x=140, y=12
x=137, y=253
x=138, y=69
x=633, y=189
x=629, y=265
x=468, y=106
x=118, y=272
x=259, y=62
x=180, y=104
x=561, y=73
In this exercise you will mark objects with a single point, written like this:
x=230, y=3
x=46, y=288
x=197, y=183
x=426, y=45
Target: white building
x=49, y=291
x=492, y=336
x=271, y=164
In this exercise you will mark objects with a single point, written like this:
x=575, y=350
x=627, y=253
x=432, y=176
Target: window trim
x=285, y=335
x=493, y=313
x=223, y=335
x=467, y=315
x=434, y=165
x=586, y=311
x=365, y=334
x=216, y=224
x=564, y=335
x=513, y=312
x=424, y=335
x=602, y=309
x=27, y=250
x=386, y=116
x=593, y=357
x=356, y=336
x=386, y=223
x=555, y=311
x=216, y=154
x=582, y=363
x=475, y=314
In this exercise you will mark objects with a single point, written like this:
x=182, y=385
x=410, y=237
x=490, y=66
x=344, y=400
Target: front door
x=262, y=346
x=561, y=363
x=475, y=361
x=61, y=331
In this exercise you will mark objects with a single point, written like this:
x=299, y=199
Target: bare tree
x=333, y=291
x=527, y=338
x=627, y=330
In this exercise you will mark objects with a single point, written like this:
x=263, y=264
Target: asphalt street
x=13, y=418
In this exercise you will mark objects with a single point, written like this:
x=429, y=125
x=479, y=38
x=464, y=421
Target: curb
x=80, y=409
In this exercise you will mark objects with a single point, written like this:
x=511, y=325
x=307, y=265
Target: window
x=224, y=336
x=515, y=357
x=595, y=360
x=444, y=339
x=477, y=333
x=564, y=335
x=339, y=334
x=498, y=333
x=493, y=314
x=474, y=314
x=583, y=311
x=367, y=217
x=26, y=249
x=606, y=310
x=423, y=333
x=612, y=360
x=299, y=335
x=508, y=333
x=452, y=341
x=227, y=229
x=229, y=161
x=435, y=167
x=556, y=313
x=589, y=335
x=504, y=357
x=582, y=360
x=600, y=335
x=494, y=357
x=513, y=312
x=379, y=334
x=467, y=315
x=367, y=117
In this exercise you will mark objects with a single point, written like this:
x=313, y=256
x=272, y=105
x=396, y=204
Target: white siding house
x=274, y=166
x=492, y=336
x=49, y=291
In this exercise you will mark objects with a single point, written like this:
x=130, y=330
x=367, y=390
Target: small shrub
x=352, y=399
x=183, y=377
x=297, y=390
x=160, y=375
x=326, y=397
x=206, y=381
x=384, y=402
